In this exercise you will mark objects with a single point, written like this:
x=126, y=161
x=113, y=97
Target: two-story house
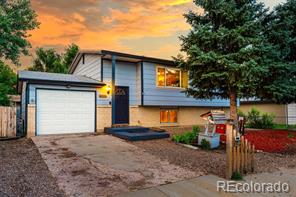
x=105, y=88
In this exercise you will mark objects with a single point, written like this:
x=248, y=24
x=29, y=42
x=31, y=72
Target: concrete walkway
x=206, y=186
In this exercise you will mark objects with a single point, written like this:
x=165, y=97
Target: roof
x=56, y=77
x=253, y=100
x=119, y=56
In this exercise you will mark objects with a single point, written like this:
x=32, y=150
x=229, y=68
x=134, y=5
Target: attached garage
x=57, y=103
x=64, y=111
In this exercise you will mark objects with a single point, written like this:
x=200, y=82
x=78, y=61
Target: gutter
x=52, y=82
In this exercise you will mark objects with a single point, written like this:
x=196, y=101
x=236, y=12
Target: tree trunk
x=233, y=107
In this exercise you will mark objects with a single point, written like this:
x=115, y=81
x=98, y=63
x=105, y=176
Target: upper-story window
x=171, y=77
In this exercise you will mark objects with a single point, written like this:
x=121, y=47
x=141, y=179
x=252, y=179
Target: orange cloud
x=103, y=24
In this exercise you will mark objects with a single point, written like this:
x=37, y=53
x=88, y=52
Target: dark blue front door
x=121, y=105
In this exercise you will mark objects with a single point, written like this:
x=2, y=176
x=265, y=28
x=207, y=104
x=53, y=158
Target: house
x=105, y=88
x=284, y=113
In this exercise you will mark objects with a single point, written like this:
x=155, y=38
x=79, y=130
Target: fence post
x=253, y=158
x=229, y=150
x=7, y=121
x=1, y=115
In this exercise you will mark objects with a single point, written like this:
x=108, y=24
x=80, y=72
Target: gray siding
x=157, y=96
x=91, y=67
x=138, y=83
x=291, y=113
x=126, y=74
x=129, y=74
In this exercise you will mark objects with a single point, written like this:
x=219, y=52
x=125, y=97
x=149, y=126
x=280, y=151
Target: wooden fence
x=240, y=153
x=7, y=121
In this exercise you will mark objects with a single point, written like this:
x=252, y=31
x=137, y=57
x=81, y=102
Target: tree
x=7, y=83
x=71, y=52
x=16, y=18
x=225, y=50
x=279, y=84
x=48, y=60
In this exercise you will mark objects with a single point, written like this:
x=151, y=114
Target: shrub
x=267, y=121
x=196, y=130
x=255, y=120
x=205, y=144
x=188, y=137
x=241, y=114
x=236, y=176
x=177, y=138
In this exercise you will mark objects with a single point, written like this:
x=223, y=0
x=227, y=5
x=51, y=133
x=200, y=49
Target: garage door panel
x=65, y=112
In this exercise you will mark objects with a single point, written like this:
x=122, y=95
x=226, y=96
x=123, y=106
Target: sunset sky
x=142, y=27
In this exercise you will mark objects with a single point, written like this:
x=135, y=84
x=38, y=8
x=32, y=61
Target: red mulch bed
x=273, y=141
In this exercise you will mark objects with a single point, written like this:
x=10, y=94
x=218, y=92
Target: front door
x=121, y=105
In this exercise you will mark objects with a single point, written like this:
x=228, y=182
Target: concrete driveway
x=102, y=165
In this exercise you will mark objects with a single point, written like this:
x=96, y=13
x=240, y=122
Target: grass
x=236, y=176
x=283, y=126
x=278, y=126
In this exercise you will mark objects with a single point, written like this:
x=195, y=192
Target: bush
x=188, y=137
x=255, y=120
x=267, y=121
x=241, y=114
x=205, y=144
x=177, y=138
x=236, y=176
x=196, y=130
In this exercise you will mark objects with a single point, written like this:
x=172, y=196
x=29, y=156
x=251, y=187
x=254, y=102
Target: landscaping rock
x=23, y=171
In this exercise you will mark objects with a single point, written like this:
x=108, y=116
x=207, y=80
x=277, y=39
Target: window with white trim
x=171, y=77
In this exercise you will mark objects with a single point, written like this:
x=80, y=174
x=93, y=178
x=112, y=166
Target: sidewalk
x=206, y=186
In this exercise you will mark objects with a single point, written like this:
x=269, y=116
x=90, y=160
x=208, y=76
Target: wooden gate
x=7, y=121
x=240, y=153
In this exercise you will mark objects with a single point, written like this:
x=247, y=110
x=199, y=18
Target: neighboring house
x=106, y=88
x=284, y=113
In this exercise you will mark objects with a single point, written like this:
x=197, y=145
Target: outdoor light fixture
x=108, y=88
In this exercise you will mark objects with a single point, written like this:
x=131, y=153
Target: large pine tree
x=279, y=84
x=225, y=50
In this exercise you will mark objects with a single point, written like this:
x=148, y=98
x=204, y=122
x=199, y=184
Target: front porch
x=136, y=133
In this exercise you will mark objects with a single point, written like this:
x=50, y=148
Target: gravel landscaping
x=210, y=162
x=23, y=171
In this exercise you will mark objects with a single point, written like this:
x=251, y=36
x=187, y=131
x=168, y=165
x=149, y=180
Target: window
x=171, y=77
x=161, y=76
x=168, y=116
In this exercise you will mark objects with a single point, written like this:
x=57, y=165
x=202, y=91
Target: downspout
x=113, y=104
x=102, y=68
x=142, y=84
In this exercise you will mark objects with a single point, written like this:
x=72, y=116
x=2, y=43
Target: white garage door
x=61, y=112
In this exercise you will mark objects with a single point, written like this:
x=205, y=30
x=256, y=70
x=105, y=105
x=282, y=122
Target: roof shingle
x=44, y=76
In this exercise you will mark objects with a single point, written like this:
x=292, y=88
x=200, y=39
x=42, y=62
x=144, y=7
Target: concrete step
x=134, y=133
x=131, y=129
